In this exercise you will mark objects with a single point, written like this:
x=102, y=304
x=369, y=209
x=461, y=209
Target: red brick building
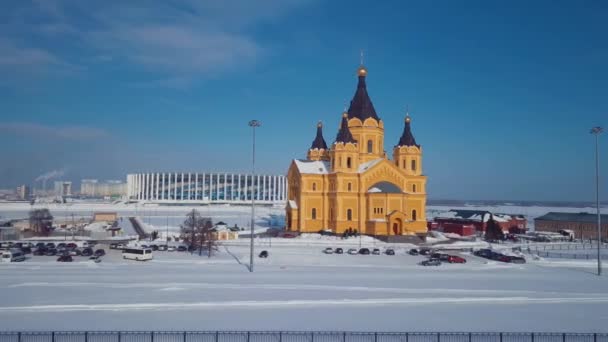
x=462, y=220
x=584, y=225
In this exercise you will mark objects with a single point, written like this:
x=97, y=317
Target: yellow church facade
x=352, y=184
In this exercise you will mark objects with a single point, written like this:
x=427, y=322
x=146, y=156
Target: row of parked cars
x=66, y=250
x=154, y=247
x=493, y=255
x=361, y=251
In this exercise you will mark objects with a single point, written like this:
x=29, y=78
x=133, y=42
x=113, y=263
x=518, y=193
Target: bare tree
x=41, y=221
x=197, y=232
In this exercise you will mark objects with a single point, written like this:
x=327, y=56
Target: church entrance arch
x=397, y=227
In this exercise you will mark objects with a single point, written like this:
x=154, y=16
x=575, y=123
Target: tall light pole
x=597, y=131
x=253, y=124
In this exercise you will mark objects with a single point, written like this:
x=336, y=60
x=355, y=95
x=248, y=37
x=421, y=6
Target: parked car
x=100, y=252
x=154, y=247
x=144, y=246
x=171, y=249
x=71, y=245
x=484, y=253
x=518, y=260
x=96, y=258
x=425, y=251
x=50, y=245
x=339, y=250
x=113, y=246
x=455, y=259
x=182, y=248
x=40, y=245
x=65, y=258
x=40, y=251
x=120, y=246
x=13, y=255
x=352, y=251
x=328, y=250
x=440, y=256
x=413, y=251
x=74, y=252
x=376, y=251
x=390, y=251
x=87, y=252
x=26, y=250
x=50, y=252
x=162, y=247
x=263, y=254
x=431, y=262
x=364, y=251
x=61, y=245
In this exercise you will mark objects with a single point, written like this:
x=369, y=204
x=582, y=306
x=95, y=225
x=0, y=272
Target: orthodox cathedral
x=352, y=184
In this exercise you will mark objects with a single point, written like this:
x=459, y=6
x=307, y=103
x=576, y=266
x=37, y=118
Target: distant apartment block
x=23, y=192
x=63, y=188
x=95, y=188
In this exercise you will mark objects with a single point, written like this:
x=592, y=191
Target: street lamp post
x=253, y=124
x=597, y=131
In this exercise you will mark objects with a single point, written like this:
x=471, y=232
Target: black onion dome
x=407, y=138
x=319, y=142
x=344, y=135
x=361, y=106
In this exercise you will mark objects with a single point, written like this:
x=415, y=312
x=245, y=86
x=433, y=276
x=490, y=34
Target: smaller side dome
x=344, y=135
x=407, y=138
x=319, y=142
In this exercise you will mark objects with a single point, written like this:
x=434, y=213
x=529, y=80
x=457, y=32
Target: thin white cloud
x=181, y=40
x=65, y=132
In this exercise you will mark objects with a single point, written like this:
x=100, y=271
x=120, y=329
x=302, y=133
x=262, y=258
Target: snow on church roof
x=363, y=167
x=312, y=167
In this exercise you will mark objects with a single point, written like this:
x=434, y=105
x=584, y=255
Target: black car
x=431, y=262
x=113, y=246
x=425, y=251
x=100, y=252
x=87, y=252
x=64, y=258
x=364, y=251
x=40, y=245
x=182, y=248
x=60, y=245
x=154, y=247
x=440, y=256
x=40, y=251
x=263, y=254
x=518, y=260
x=390, y=251
x=413, y=251
x=26, y=250
x=50, y=245
x=339, y=251
x=50, y=252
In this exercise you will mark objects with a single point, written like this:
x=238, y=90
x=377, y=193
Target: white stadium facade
x=175, y=188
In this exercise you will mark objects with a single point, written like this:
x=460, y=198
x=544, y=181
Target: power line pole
x=597, y=131
x=253, y=124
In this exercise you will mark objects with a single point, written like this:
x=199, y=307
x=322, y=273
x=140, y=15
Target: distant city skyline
x=502, y=95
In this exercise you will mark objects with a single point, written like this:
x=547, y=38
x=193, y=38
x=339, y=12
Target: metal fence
x=567, y=246
x=225, y=336
x=571, y=255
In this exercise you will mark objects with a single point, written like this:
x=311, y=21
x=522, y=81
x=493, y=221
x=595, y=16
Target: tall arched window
x=413, y=187
x=314, y=186
x=348, y=162
x=414, y=215
x=339, y=161
x=349, y=214
x=350, y=186
x=370, y=146
x=314, y=213
x=404, y=166
x=414, y=165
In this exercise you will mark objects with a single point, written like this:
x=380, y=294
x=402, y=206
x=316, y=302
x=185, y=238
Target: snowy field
x=300, y=288
x=296, y=288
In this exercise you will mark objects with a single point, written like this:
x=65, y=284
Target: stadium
x=175, y=188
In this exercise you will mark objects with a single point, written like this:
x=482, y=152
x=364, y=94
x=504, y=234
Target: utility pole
x=597, y=131
x=253, y=124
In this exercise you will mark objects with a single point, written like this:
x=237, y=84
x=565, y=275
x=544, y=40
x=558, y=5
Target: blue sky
x=502, y=93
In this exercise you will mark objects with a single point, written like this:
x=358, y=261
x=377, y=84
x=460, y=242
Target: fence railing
x=278, y=336
x=570, y=255
x=567, y=246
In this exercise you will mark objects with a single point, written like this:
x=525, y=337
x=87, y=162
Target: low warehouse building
x=584, y=225
x=457, y=219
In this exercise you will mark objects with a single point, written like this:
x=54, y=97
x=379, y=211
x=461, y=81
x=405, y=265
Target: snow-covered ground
x=297, y=287
x=300, y=288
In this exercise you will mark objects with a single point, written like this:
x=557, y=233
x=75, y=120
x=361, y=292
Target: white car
x=352, y=251
x=171, y=249
x=328, y=250
x=120, y=246
x=162, y=247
